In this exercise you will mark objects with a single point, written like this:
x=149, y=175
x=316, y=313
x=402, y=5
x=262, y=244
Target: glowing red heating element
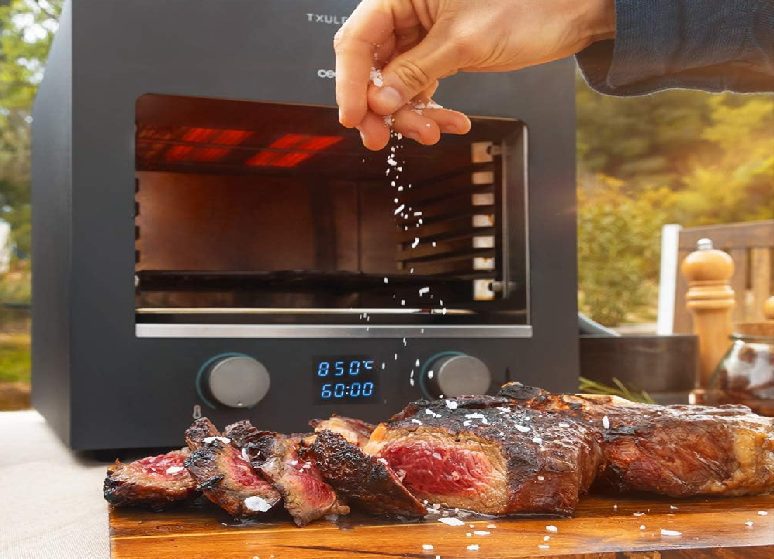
x=301, y=146
x=214, y=137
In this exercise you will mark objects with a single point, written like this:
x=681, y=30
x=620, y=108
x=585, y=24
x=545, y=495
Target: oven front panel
x=130, y=391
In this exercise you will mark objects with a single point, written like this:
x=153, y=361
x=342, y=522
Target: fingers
x=374, y=131
x=412, y=72
x=355, y=45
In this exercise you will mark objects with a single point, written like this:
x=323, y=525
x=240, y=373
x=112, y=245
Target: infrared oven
x=208, y=240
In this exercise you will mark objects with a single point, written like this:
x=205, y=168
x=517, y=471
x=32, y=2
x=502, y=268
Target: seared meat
x=155, y=481
x=672, y=450
x=354, y=431
x=363, y=480
x=486, y=455
x=305, y=495
x=224, y=476
x=200, y=430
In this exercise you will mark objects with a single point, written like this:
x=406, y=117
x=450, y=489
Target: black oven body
x=129, y=332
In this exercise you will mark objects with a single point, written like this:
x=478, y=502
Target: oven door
x=270, y=220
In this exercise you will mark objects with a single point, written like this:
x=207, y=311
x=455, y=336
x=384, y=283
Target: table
x=52, y=504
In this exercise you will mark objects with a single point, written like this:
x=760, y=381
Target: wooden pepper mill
x=710, y=300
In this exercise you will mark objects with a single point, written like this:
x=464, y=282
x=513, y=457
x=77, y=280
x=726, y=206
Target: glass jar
x=745, y=375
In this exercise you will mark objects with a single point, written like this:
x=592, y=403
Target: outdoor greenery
x=14, y=358
x=678, y=156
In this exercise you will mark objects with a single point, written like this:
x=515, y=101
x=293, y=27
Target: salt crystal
x=762, y=513
x=402, y=302
x=642, y=526
x=424, y=291
x=481, y=532
x=386, y=280
x=473, y=547
x=491, y=526
x=172, y=470
x=551, y=528
x=381, y=460
x=541, y=478
x=537, y=440
x=544, y=546
x=749, y=523
x=522, y=429
x=376, y=77
x=671, y=533
x=672, y=507
x=638, y=514
x=451, y=521
x=564, y=425
x=257, y=504
x=416, y=421
x=415, y=244
x=468, y=535
x=546, y=538
x=451, y=404
x=474, y=415
x=427, y=547
x=210, y=440
x=605, y=422
x=399, y=209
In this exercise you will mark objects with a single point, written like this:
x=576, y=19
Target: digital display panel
x=351, y=379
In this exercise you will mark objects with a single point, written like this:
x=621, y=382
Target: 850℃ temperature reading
x=347, y=379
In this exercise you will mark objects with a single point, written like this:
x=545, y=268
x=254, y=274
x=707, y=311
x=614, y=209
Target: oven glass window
x=265, y=213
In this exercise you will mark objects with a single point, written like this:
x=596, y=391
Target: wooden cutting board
x=604, y=527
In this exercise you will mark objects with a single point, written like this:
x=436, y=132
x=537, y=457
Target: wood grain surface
x=605, y=527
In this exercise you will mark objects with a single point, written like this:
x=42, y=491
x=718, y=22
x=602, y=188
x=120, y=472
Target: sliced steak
x=486, y=455
x=224, y=476
x=200, y=430
x=155, y=481
x=678, y=450
x=355, y=431
x=363, y=480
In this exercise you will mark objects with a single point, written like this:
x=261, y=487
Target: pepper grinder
x=710, y=300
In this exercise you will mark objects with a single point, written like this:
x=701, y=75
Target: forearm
x=714, y=45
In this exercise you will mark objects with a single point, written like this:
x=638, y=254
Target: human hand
x=418, y=42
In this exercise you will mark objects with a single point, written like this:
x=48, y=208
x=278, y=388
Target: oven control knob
x=455, y=375
x=236, y=381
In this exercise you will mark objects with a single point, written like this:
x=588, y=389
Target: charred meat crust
x=563, y=452
x=675, y=450
x=355, y=431
x=230, y=482
x=363, y=480
x=155, y=482
x=199, y=430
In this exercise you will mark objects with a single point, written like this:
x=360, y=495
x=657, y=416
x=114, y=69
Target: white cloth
x=51, y=502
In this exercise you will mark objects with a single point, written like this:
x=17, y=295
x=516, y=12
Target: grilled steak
x=354, y=431
x=155, y=481
x=305, y=495
x=671, y=450
x=361, y=479
x=486, y=455
x=224, y=476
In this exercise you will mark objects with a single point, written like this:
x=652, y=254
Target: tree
x=26, y=30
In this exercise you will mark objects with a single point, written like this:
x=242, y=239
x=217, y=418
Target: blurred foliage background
x=676, y=157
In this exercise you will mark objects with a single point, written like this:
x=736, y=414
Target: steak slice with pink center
x=224, y=476
x=305, y=495
x=155, y=481
x=365, y=481
x=484, y=455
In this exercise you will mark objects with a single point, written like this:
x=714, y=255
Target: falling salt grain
x=399, y=209
x=672, y=507
x=546, y=538
x=473, y=547
x=386, y=280
x=544, y=546
x=481, y=532
x=468, y=535
x=671, y=533
x=424, y=291
x=749, y=523
x=638, y=514
x=762, y=513
x=642, y=526
x=605, y=422
x=427, y=547
x=491, y=526
x=451, y=521
x=551, y=528
x=415, y=244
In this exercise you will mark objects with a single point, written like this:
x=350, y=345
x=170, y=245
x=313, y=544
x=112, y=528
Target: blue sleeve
x=714, y=45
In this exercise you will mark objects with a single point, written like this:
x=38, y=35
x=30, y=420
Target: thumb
x=414, y=71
